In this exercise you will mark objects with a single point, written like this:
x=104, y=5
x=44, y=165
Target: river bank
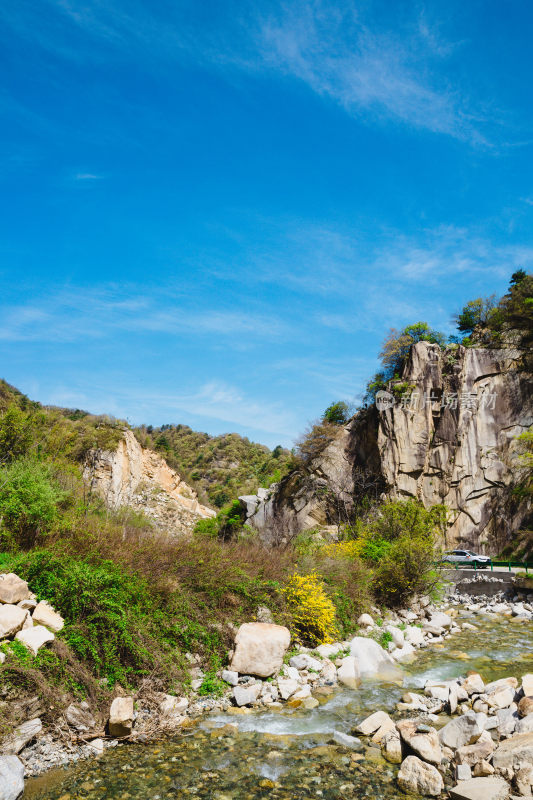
x=301, y=736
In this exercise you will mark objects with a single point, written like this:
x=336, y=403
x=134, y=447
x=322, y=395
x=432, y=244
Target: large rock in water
x=372, y=660
x=348, y=673
x=21, y=736
x=11, y=777
x=259, y=649
x=420, y=778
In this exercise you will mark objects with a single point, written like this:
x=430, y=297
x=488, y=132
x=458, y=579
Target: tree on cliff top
x=397, y=344
x=394, y=352
x=485, y=320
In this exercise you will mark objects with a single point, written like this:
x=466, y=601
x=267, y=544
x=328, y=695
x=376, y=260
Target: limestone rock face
x=259, y=649
x=79, y=717
x=135, y=476
x=452, y=443
x=21, y=736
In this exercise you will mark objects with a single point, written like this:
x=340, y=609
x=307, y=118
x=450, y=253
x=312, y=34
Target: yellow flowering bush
x=349, y=549
x=312, y=610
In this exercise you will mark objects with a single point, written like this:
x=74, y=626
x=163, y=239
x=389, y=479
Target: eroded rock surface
x=454, y=444
x=135, y=476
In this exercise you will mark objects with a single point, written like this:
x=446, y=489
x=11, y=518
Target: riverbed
x=288, y=754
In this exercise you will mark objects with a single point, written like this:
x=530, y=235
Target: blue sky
x=213, y=212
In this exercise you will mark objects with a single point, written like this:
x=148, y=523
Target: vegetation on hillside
x=135, y=602
x=220, y=468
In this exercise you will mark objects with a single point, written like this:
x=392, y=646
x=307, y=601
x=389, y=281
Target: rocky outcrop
x=445, y=434
x=134, y=476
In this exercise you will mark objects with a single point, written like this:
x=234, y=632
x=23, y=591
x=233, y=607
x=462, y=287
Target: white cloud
x=74, y=314
x=390, y=68
x=363, y=67
x=87, y=176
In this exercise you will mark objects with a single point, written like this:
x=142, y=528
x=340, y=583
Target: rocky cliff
x=445, y=434
x=135, y=476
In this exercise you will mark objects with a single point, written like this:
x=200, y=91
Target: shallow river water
x=287, y=754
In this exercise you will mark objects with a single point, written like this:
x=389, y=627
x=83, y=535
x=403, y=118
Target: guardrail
x=527, y=565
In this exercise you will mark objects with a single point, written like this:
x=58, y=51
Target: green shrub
x=16, y=434
x=112, y=622
x=337, y=413
x=29, y=499
x=406, y=571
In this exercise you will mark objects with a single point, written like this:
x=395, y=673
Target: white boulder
x=463, y=730
x=491, y=788
x=259, y=648
x=305, y=661
x=12, y=619
x=121, y=716
x=420, y=778
x=348, y=672
x=12, y=588
x=371, y=724
x=372, y=660
x=423, y=739
x=246, y=695
x=45, y=615
x=34, y=638
x=11, y=777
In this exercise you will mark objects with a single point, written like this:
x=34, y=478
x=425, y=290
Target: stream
x=288, y=754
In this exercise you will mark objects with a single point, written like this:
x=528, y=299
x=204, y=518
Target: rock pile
x=23, y=618
x=483, y=752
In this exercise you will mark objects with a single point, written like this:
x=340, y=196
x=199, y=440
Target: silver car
x=467, y=558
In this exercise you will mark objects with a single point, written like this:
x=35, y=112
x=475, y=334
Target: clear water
x=287, y=754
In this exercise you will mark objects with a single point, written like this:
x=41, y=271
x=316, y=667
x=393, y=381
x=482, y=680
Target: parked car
x=467, y=558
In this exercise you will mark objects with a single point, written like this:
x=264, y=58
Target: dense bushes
x=397, y=540
x=29, y=499
x=490, y=322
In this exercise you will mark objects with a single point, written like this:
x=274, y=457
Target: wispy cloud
x=87, y=176
x=70, y=315
x=350, y=56
x=212, y=400
x=365, y=68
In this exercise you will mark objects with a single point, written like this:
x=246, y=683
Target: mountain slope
x=219, y=467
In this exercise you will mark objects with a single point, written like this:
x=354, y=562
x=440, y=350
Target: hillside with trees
x=220, y=468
